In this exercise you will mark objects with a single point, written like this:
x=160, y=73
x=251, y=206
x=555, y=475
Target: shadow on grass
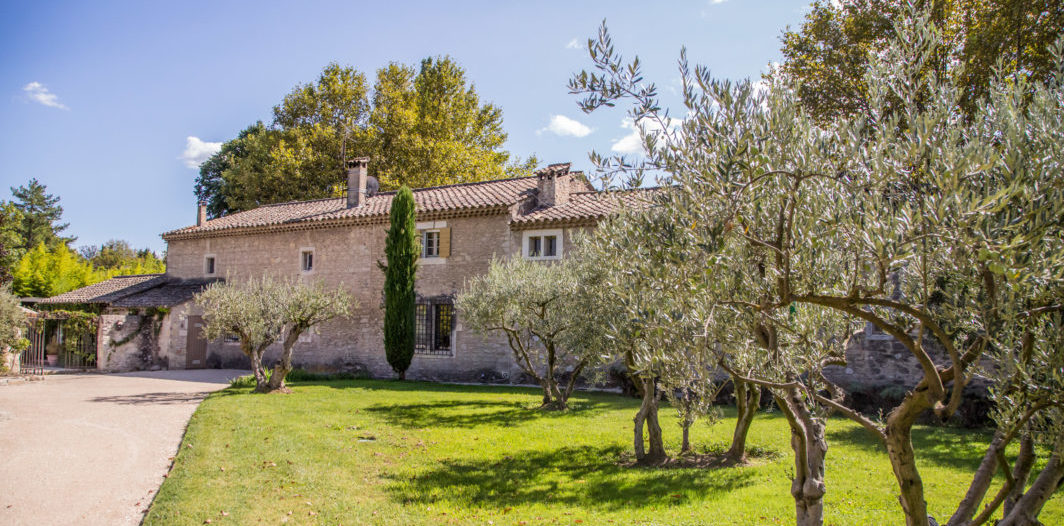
x=960, y=449
x=472, y=413
x=152, y=398
x=587, y=476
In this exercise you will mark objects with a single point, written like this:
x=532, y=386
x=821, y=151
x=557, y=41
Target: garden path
x=93, y=448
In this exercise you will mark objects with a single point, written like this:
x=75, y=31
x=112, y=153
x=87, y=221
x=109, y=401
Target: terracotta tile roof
x=487, y=194
x=108, y=291
x=168, y=294
x=585, y=207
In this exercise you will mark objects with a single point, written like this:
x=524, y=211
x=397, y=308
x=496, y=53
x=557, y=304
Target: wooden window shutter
x=445, y=242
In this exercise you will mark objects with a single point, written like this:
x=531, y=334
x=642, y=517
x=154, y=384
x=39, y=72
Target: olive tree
x=828, y=219
x=263, y=311
x=305, y=306
x=647, y=310
x=529, y=302
x=12, y=324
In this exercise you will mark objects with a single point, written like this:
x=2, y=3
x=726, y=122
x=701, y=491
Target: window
x=430, y=244
x=434, y=323
x=306, y=260
x=231, y=338
x=542, y=244
x=208, y=265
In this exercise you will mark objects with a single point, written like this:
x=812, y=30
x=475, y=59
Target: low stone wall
x=880, y=370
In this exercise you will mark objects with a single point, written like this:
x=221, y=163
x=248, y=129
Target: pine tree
x=40, y=215
x=401, y=248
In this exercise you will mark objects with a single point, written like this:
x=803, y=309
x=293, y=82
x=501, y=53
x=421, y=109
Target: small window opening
x=307, y=261
x=430, y=244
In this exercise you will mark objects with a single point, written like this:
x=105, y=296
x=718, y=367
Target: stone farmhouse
x=151, y=321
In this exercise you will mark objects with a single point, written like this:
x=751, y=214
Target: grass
x=381, y=452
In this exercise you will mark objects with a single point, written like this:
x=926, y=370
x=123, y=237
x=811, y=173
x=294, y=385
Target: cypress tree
x=401, y=248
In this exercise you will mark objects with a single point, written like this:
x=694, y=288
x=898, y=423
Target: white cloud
x=705, y=11
x=40, y=94
x=574, y=44
x=564, y=126
x=197, y=151
x=633, y=142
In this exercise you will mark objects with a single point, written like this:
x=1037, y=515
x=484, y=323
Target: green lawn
x=380, y=452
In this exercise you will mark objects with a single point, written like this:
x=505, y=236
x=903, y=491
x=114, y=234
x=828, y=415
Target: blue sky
x=106, y=103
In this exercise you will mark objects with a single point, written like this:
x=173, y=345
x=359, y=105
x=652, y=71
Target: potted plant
x=52, y=352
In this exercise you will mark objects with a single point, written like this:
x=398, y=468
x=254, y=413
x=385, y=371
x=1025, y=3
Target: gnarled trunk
x=284, y=365
x=747, y=402
x=1025, y=511
x=255, y=355
x=1021, y=472
x=810, y=449
x=648, y=415
x=898, y=439
x=685, y=446
x=984, y=475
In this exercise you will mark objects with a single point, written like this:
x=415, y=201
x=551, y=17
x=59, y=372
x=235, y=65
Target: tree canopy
x=938, y=223
x=421, y=127
x=263, y=311
x=41, y=214
x=828, y=56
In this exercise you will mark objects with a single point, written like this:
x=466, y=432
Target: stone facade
x=347, y=256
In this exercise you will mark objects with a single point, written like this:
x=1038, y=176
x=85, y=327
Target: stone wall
x=347, y=256
x=131, y=341
x=880, y=370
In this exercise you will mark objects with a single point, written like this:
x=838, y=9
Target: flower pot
x=53, y=359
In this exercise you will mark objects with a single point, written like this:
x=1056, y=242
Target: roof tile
x=108, y=291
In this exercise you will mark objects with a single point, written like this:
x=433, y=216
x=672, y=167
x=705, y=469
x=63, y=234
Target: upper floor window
x=435, y=242
x=542, y=244
x=208, y=265
x=306, y=258
x=430, y=244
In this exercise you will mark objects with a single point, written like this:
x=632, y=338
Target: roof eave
x=332, y=223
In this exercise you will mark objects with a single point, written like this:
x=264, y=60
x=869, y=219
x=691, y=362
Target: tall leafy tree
x=41, y=214
x=43, y=272
x=422, y=127
x=211, y=183
x=401, y=247
x=432, y=129
x=117, y=258
x=828, y=55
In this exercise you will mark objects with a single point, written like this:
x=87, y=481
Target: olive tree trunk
x=648, y=415
x=284, y=365
x=747, y=402
x=810, y=449
x=255, y=355
x=1025, y=511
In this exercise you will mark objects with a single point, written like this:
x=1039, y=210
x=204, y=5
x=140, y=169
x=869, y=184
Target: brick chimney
x=554, y=185
x=357, y=175
x=201, y=216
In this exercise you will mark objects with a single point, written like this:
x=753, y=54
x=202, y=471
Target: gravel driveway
x=93, y=448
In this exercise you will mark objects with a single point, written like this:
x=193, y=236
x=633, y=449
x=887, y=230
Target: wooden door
x=196, y=351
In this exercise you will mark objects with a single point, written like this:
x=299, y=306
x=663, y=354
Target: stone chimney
x=357, y=175
x=554, y=185
x=201, y=216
